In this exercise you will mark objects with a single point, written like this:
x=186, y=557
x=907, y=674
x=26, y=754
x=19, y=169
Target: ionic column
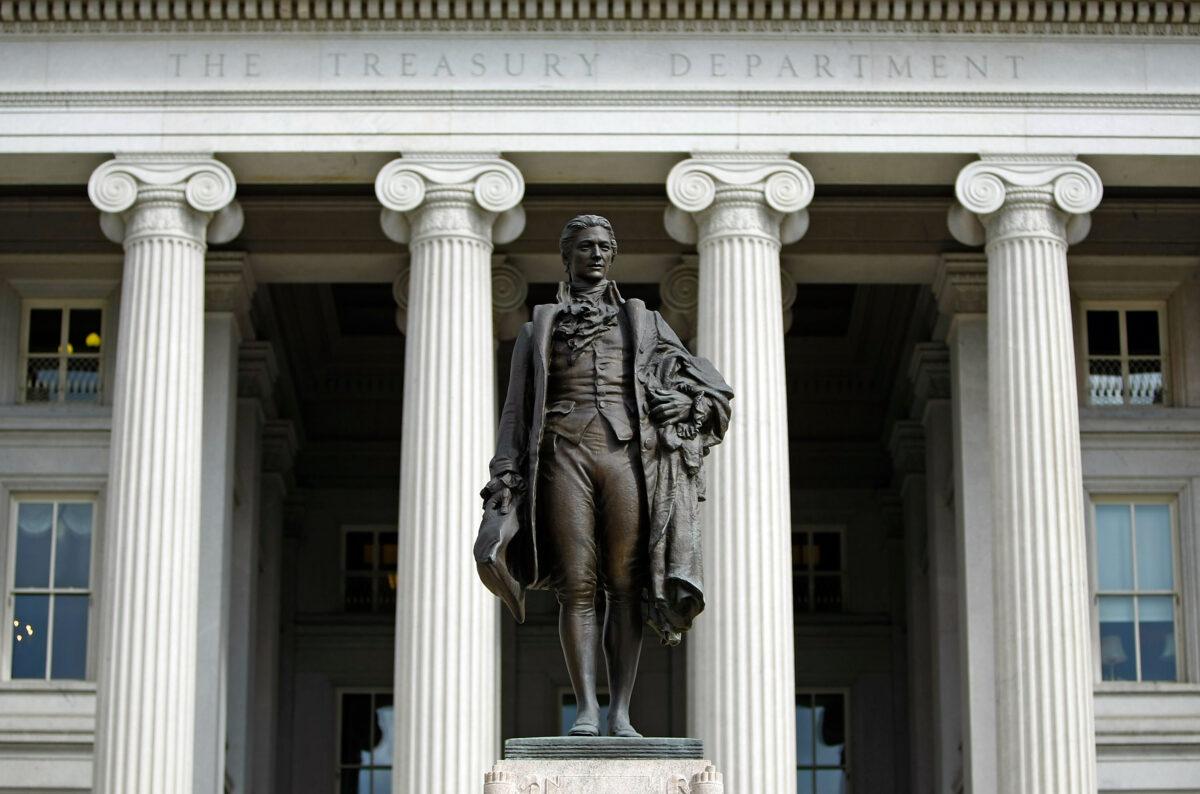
x=162, y=208
x=741, y=680
x=1028, y=210
x=447, y=682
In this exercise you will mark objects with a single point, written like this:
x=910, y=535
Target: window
x=1136, y=595
x=60, y=351
x=821, y=761
x=568, y=710
x=817, y=569
x=1125, y=355
x=365, y=730
x=49, y=605
x=369, y=555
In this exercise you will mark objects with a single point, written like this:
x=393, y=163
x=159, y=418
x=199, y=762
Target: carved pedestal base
x=603, y=776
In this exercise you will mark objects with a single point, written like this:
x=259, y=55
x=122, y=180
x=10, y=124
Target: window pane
x=70, y=637
x=34, y=521
x=804, y=730
x=1156, y=633
x=1155, y=570
x=1105, y=386
x=30, y=623
x=356, y=781
x=805, y=784
x=381, y=781
x=831, y=781
x=831, y=730
x=827, y=593
x=358, y=593
x=1117, y=660
x=829, y=551
x=73, y=557
x=1114, y=547
x=357, y=723
x=1145, y=381
x=387, y=550
x=381, y=754
x=83, y=380
x=41, y=380
x=360, y=551
x=83, y=331
x=1141, y=333
x=800, y=599
x=45, y=330
x=1104, y=333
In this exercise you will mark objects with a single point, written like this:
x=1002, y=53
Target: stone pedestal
x=603, y=765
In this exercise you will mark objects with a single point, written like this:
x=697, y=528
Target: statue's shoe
x=584, y=728
x=624, y=730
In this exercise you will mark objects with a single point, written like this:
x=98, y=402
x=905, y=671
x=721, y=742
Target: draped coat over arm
x=670, y=466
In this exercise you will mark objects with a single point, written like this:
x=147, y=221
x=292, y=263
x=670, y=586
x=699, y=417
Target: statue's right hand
x=501, y=501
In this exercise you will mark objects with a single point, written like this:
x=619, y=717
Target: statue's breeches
x=591, y=513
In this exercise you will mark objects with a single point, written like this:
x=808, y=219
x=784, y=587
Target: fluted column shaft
x=160, y=209
x=741, y=678
x=447, y=680
x=1045, y=728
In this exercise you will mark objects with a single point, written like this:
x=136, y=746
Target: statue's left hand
x=669, y=406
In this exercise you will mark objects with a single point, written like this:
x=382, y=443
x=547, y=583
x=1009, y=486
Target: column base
x=603, y=765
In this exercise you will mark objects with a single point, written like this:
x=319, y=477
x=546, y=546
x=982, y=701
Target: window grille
x=1125, y=354
x=818, y=569
x=61, y=352
x=50, y=596
x=365, y=737
x=822, y=760
x=1136, y=594
x=369, y=569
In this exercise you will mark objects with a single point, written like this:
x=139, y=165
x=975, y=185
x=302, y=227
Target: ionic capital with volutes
x=1003, y=197
x=429, y=196
x=184, y=196
x=723, y=195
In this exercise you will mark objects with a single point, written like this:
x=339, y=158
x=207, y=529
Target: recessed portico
x=858, y=471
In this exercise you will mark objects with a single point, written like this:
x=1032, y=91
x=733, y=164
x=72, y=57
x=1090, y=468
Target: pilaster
x=228, y=286
x=449, y=210
x=161, y=207
x=739, y=210
x=960, y=287
x=1026, y=210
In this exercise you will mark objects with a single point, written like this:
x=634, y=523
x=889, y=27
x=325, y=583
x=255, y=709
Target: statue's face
x=590, y=256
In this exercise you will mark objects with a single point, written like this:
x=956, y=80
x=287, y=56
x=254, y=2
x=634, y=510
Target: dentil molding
x=957, y=16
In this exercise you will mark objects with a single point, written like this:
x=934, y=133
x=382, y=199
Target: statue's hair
x=578, y=224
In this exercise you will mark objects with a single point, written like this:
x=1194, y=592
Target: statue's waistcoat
x=598, y=382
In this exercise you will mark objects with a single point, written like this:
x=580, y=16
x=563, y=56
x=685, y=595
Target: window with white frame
x=1125, y=351
x=1137, y=592
x=369, y=566
x=822, y=762
x=60, y=351
x=818, y=569
x=365, y=735
x=50, y=590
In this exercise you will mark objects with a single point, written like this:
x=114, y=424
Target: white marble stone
x=161, y=209
x=448, y=211
x=1029, y=209
x=741, y=684
x=961, y=290
x=610, y=776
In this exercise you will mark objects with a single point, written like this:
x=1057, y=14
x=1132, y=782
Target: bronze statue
x=598, y=472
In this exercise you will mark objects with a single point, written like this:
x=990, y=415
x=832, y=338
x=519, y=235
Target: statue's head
x=588, y=248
